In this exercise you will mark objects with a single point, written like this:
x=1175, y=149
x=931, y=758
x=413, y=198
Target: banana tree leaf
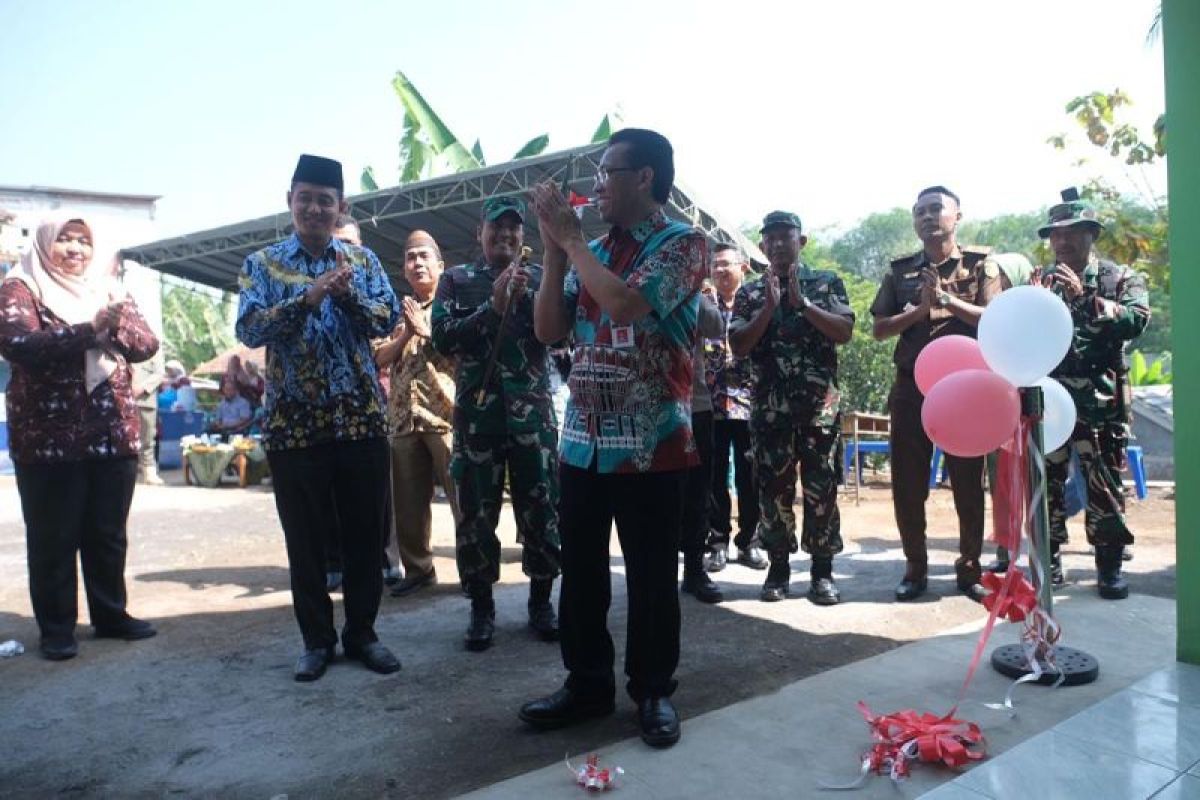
x=439, y=137
x=533, y=147
x=415, y=154
x=603, y=131
x=367, y=181
x=1137, y=368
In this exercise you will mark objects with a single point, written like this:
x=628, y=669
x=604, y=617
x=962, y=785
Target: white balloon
x=1058, y=415
x=1024, y=333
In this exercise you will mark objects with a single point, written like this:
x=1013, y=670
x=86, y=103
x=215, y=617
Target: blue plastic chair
x=1137, y=468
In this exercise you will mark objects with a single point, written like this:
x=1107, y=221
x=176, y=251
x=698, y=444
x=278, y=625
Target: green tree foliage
x=1135, y=216
x=1008, y=233
x=868, y=248
x=196, y=325
x=865, y=369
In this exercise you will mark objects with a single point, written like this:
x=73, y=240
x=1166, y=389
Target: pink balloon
x=945, y=356
x=971, y=412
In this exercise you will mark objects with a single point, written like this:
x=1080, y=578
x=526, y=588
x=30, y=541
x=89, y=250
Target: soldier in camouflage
x=506, y=424
x=1109, y=305
x=789, y=324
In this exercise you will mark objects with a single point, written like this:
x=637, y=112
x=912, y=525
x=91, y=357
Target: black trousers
x=646, y=508
x=911, y=453
x=734, y=432
x=70, y=507
x=697, y=490
x=343, y=484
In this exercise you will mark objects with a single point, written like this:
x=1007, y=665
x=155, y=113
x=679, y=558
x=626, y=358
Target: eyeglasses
x=602, y=173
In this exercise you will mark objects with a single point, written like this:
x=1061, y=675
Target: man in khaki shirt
x=420, y=408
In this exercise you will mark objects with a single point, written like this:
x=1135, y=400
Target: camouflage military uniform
x=513, y=427
x=796, y=413
x=1114, y=308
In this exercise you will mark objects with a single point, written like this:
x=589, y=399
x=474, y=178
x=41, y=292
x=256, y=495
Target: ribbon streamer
x=592, y=777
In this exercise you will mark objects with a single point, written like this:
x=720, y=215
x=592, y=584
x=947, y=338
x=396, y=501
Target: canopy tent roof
x=448, y=207
x=220, y=362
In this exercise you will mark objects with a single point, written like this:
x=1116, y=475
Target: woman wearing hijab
x=71, y=332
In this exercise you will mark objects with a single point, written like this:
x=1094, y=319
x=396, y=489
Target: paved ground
x=209, y=708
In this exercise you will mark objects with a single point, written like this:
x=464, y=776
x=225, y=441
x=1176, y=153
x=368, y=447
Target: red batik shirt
x=51, y=415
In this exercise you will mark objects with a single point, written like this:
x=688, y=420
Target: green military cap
x=496, y=207
x=784, y=218
x=1072, y=211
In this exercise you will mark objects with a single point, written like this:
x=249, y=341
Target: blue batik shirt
x=322, y=385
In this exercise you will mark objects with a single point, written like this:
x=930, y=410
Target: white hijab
x=73, y=298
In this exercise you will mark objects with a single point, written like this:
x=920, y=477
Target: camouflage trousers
x=477, y=466
x=776, y=451
x=1101, y=451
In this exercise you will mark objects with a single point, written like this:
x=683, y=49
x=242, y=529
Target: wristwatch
x=943, y=299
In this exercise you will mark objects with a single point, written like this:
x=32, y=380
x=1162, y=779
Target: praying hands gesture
x=335, y=283
x=1065, y=278
x=556, y=219
x=414, y=320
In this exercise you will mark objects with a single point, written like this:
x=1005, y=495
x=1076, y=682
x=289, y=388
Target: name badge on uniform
x=622, y=336
x=908, y=275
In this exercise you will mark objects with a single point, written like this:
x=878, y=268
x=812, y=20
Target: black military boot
x=822, y=590
x=1109, y=580
x=542, y=618
x=483, y=617
x=696, y=581
x=776, y=586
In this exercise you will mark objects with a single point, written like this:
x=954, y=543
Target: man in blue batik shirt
x=316, y=303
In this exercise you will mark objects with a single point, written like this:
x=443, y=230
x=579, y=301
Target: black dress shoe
x=911, y=588
x=659, y=721
x=975, y=591
x=480, y=630
x=543, y=620
x=999, y=567
x=59, y=648
x=311, y=665
x=752, y=557
x=375, y=657
x=697, y=583
x=130, y=630
x=563, y=708
x=824, y=592
x=391, y=576
x=776, y=586
x=716, y=559
x=412, y=582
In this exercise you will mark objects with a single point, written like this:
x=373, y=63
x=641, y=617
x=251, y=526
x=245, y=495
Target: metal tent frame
x=448, y=207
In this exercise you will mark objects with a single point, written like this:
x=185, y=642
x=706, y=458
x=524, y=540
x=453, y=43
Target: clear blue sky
x=833, y=110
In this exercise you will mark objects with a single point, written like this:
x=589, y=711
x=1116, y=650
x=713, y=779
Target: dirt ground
x=209, y=707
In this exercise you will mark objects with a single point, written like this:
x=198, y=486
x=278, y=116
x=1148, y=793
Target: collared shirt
x=730, y=380
x=795, y=365
x=232, y=412
x=421, y=395
x=52, y=417
x=322, y=385
x=631, y=386
x=1113, y=308
x=466, y=325
x=968, y=275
